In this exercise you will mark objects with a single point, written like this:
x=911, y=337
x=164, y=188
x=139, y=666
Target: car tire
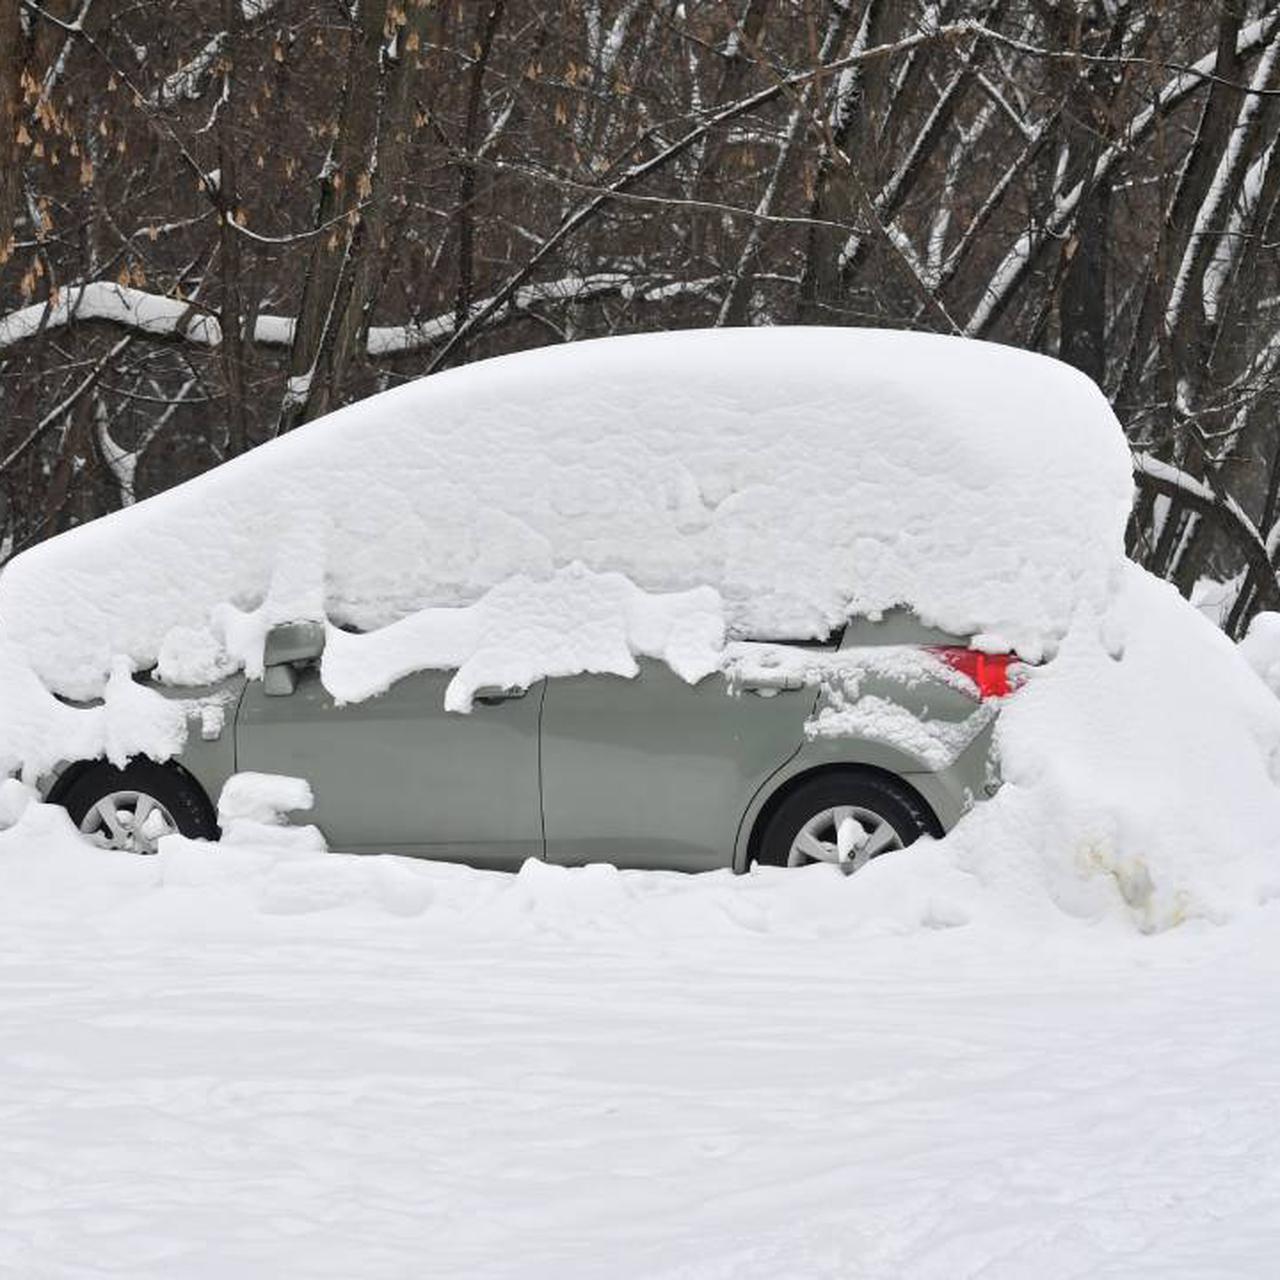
x=142, y=785
x=888, y=813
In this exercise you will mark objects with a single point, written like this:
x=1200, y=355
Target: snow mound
x=254, y=808
x=1142, y=774
x=15, y=796
x=264, y=798
x=802, y=474
x=193, y=884
x=1260, y=648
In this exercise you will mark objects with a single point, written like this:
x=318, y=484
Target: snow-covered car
x=682, y=600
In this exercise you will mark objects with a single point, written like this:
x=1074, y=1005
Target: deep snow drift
x=1261, y=649
x=1142, y=772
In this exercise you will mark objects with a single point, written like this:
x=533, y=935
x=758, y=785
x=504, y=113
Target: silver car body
x=648, y=771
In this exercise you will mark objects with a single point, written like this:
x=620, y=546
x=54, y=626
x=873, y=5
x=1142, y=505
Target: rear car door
x=400, y=774
x=655, y=772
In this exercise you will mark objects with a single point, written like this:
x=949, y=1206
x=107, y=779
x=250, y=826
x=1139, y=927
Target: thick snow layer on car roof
x=804, y=474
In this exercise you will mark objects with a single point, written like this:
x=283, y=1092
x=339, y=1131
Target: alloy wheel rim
x=845, y=835
x=128, y=821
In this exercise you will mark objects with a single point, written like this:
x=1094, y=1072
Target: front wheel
x=845, y=819
x=134, y=808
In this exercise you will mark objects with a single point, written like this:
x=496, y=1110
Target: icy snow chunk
x=262, y=797
x=801, y=474
x=253, y=809
x=192, y=656
x=15, y=796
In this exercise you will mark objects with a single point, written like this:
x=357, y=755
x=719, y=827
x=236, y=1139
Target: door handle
x=768, y=686
x=492, y=694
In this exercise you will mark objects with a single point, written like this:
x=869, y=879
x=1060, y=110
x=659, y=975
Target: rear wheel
x=845, y=818
x=133, y=808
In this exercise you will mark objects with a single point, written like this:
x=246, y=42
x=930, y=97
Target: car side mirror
x=289, y=645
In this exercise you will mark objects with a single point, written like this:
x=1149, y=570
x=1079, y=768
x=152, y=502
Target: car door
x=398, y=773
x=655, y=772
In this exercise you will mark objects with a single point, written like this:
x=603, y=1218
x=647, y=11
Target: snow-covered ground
x=226, y=1062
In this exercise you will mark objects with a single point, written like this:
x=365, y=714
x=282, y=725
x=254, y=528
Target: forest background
x=222, y=218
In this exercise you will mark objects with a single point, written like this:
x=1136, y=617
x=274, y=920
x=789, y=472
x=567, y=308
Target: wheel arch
x=767, y=802
x=73, y=772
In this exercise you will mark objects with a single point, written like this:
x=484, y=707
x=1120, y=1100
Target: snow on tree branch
x=396, y=339
x=117, y=304
x=156, y=316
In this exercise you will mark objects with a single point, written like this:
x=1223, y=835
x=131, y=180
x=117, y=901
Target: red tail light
x=989, y=671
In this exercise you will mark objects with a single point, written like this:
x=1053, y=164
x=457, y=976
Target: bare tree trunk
x=232, y=316
x=11, y=59
x=486, y=26
x=1082, y=311
x=734, y=309
x=822, y=277
x=1197, y=172
x=1082, y=304
x=744, y=32
x=353, y=222
x=321, y=351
